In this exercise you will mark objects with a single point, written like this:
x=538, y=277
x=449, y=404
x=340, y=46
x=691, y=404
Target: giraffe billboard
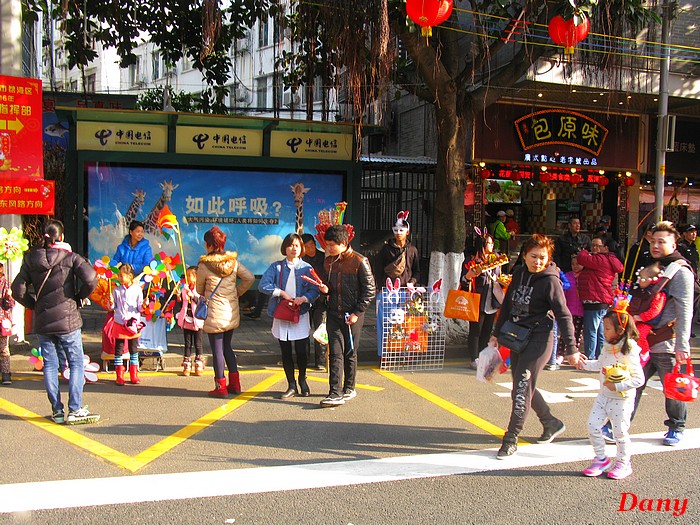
x=256, y=209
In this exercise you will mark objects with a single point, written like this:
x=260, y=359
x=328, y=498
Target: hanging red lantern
x=628, y=181
x=485, y=173
x=428, y=13
x=569, y=32
x=545, y=177
x=576, y=179
x=603, y=181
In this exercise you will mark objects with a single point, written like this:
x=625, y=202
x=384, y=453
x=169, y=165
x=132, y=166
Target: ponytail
x=53, y=230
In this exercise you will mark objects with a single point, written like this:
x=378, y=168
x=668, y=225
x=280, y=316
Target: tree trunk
x=450, y=182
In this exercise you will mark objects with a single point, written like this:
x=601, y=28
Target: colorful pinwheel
x=91, y=370
x=12, y=244
x=36, y=359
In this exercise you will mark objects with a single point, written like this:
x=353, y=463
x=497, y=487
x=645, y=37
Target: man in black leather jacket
x=349, y=286
x=569, y=244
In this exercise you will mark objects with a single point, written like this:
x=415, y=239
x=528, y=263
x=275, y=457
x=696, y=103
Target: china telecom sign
x=553, y=126
x=21, y=152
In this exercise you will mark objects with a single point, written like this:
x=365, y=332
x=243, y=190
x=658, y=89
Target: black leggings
x=301, y=347
x=193, y=339
x=222, y=351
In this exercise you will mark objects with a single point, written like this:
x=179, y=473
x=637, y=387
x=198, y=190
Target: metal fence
x=390, y=186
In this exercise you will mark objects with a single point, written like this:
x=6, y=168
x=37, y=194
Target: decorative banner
x=122, y=136
x=310, y=145
x=20, y=127
x=554, y=126
x=218, y=141
x=30, y=196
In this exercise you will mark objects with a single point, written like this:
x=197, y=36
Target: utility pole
x=662, y=126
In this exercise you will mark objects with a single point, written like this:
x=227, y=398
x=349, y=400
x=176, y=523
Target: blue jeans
x=677, y=411
x=72, y=346
x=593, y=338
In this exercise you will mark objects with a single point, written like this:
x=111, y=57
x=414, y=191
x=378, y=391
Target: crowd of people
x=575, y=296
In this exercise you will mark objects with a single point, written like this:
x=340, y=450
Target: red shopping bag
x=681, y=387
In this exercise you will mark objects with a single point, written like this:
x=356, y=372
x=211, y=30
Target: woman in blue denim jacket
x=276, y=282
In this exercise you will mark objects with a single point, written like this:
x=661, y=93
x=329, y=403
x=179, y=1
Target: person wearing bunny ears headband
x=398, y=258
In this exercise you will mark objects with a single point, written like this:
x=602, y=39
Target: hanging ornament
x=485, y=173
x=576, y=179
x=568, y=29
x=628, y=181
x=545, y=177
x=428, y=13
x=603, y=181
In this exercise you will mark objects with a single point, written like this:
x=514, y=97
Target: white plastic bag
x=488, y=364
x=321, y=335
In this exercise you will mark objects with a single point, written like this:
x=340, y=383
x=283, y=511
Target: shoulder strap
x=43, y=283
x=215, y=289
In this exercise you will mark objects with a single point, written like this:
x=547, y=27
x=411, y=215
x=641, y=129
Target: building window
x=263, y=32
x=74, y=86
x=155, y=61
x=90, y=83
x=261, y=89
x=134, y=72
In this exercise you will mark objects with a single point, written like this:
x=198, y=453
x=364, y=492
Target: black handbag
x=514, y=336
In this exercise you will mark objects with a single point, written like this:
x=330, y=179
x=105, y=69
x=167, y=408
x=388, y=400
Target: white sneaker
x=349, y=394
x=333, y=401
x=81, y=417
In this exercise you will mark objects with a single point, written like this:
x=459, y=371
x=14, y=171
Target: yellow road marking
x=134, y=463
x=444, y=404
x=360, y=386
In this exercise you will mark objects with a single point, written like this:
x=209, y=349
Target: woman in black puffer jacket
x=59, y=279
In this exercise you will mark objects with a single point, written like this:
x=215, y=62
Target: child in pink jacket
x=191, y=326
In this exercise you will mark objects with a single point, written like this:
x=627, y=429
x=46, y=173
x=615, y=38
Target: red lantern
x=603, y=181
x=485, y=173
x=545, y=177
x=576, y=179
x=629, y=181
x=569, y=32
x=428, y=13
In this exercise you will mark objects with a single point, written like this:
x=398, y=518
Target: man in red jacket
x=595, y=284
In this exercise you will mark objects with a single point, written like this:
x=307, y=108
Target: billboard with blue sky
x=256, y=209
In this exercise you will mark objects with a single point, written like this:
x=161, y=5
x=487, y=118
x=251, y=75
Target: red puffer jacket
x=596, y=279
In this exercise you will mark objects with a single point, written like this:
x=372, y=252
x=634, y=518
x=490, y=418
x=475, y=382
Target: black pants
x=301, y=347
x=193, y=339
x=343, y=354
x=479, y=334
x=525, y=368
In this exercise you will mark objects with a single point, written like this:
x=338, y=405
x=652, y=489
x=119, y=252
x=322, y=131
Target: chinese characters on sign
x=560, y=159
x=253, y=210
x=29, y=196
x=306, y=145
x=115, y=136
x=552, y=126
x=219, y=141
x=20, y=127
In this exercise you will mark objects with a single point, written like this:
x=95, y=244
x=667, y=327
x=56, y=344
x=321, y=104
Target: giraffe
x=299, y=190
x=134, y=207
x=151, y=222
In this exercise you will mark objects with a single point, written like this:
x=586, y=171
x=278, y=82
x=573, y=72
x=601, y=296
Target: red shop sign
x=30, y=196
x=21, y=152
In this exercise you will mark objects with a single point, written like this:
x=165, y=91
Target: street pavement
x=412, y=447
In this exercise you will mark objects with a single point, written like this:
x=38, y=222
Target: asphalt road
x=413, y=447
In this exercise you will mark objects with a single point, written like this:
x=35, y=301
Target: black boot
x=6, y=379
x=304, y=387
x=291, y=391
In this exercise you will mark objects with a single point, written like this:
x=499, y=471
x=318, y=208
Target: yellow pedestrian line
x=461, y=413
x=360, y=386
x=134, y=463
